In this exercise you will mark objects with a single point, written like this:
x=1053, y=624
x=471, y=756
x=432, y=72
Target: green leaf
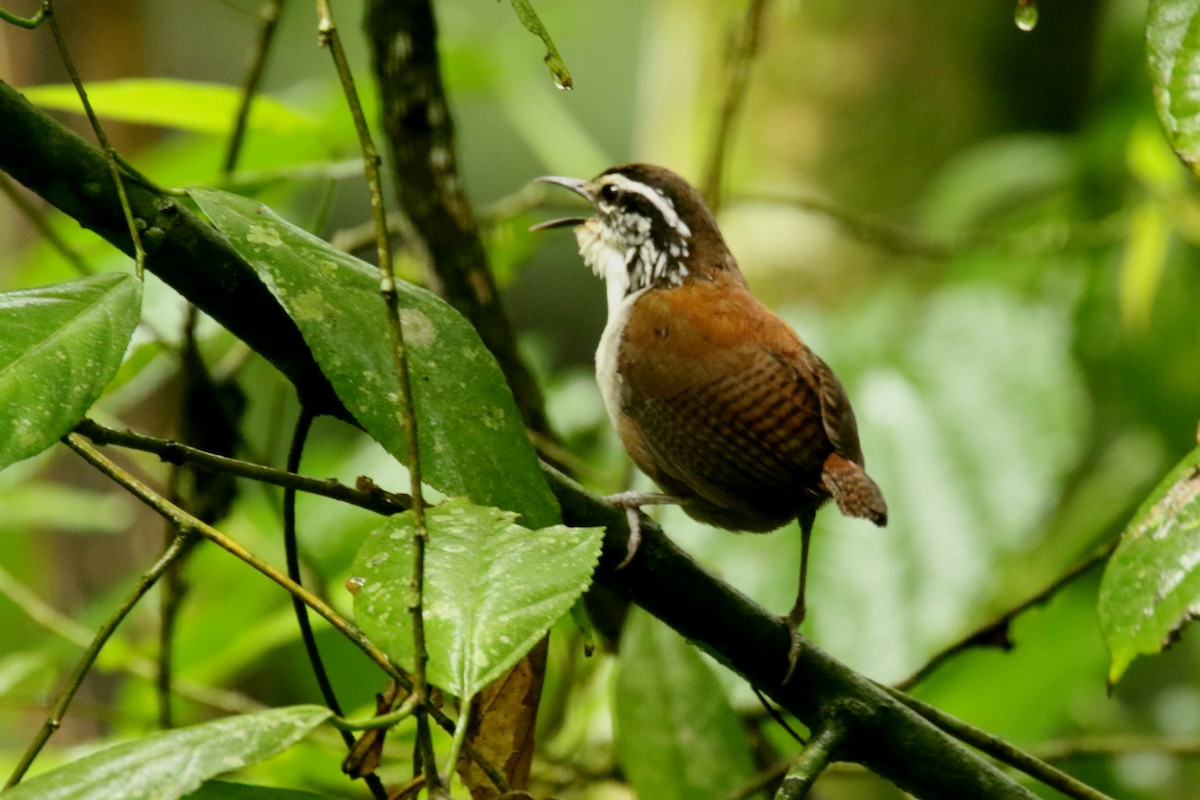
x=492, y=589
x=1151, y=586
x=60, y=345
x=186, y=105
x=470, y=434
x=1173, y=49
x=529, y=18
x=677, y=737
x=221, y=790
x=168, y=765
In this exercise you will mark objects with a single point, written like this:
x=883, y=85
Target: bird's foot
x=632, y=502
x=793, y=620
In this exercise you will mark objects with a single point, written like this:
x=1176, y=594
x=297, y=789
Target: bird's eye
x=608, y=193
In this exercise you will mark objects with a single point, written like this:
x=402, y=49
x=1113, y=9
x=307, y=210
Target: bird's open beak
x=577, y=186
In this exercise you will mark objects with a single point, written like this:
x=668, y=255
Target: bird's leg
x=796, y=616
x=632, y=502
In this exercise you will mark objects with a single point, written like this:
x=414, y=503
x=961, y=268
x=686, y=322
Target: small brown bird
x=713, y=396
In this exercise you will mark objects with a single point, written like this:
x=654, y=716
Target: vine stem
x=327, y=30
x=374, y=499
x=269, y=17
x=29, y=23
x=110, y=155
x=292, y=555
x=177, y=547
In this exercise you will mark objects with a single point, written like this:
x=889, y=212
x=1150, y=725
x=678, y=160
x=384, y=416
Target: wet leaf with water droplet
x=529, y=18
x=1151, y=586
x=61, y=345
x=470, y=434
x=492, y=589
x=1173, y=50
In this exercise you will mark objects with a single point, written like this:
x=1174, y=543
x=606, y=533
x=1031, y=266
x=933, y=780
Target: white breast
x=607, y=353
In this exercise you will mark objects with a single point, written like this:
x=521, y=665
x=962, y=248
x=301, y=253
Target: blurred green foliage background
x=981, y=229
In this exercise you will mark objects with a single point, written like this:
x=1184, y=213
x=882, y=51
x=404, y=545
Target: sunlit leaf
x=186, y=105
x=1173, y=48
x=60, y=345
x=1143, y=262
x=168, y=765
x=676, y=735
x=471, y=437
x=529, y=18
x=492, y=589
x=1151, y=587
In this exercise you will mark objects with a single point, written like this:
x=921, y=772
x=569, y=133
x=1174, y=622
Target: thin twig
x=1001, y=750
x=743, y=51
x=374, y=499
x=1054, y=238
x=169, y=603
x=995, y=632
x=266, y=35
x=67, y=629
x=762, y=780
x=403, y=712
x=1104, y=746
x=175, y=549
x=812, y=760
x=38, y=220
x=327, y=30
x=109, y=153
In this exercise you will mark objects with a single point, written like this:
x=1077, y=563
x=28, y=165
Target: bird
x=713, y=396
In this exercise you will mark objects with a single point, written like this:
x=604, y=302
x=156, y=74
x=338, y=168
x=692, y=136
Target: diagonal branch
x=995, y=632
x=193, y=258
x=883, y=734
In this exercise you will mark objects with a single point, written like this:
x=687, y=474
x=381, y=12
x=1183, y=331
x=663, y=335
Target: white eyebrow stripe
x=662, y=203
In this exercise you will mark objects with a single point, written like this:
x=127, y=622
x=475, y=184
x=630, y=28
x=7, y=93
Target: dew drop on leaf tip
x=1026, y=15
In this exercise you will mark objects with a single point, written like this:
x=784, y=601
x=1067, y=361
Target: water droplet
x=355, y=583
x=1026, y=15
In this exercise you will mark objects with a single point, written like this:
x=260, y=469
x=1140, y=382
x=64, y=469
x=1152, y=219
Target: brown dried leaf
x=502, y=727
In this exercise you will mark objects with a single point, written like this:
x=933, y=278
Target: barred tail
x=853, y=490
